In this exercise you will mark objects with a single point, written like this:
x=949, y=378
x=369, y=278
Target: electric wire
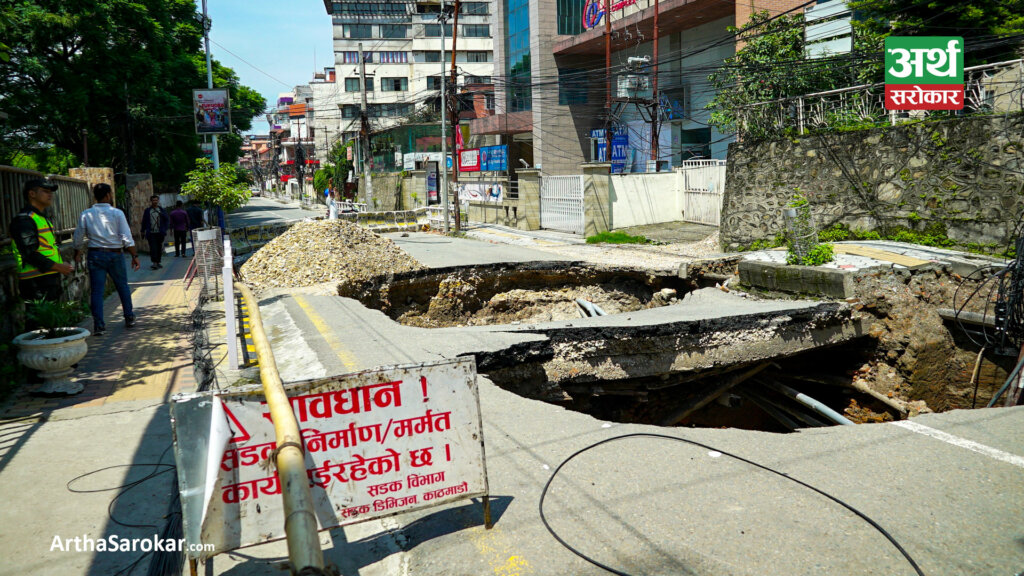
x=603, y=566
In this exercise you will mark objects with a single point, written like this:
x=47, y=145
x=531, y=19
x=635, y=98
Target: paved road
x=261, y=210
x=947, y=487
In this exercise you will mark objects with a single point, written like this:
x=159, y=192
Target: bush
x=54, y=317
x=820, y=254
x=617, y=238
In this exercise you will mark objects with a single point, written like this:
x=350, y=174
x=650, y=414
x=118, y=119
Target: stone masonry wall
x=965, y=176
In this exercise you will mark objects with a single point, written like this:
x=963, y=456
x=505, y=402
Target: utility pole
x=443, y=165
x=209, y=79
x=455, y=118
x=364, y=130
x=655, y=113
x=85, y=147
x=608, y=80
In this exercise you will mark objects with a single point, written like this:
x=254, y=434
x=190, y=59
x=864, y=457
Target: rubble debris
x=321, y=251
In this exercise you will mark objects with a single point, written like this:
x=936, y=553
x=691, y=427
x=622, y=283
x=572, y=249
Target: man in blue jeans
x=108, y=235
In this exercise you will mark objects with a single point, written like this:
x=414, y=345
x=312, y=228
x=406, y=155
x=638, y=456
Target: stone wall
x=94, y=176
x=963, y=176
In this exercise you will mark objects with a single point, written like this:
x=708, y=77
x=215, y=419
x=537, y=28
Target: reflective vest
x=47, y=247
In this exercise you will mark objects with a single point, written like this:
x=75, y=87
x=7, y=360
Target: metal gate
x=561, y=203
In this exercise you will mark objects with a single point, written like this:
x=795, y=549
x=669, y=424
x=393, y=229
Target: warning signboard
x=376, y=443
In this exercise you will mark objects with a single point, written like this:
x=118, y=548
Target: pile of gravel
x=320, y=251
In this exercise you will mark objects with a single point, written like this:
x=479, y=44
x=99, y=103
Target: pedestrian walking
x=154, y=225
x=36, y=249
x=104, y=231
x=179, y=225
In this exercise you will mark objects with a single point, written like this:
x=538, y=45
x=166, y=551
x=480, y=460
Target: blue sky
x=277, y=37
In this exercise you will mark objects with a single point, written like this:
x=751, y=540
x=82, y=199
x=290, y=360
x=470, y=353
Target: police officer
x=35, y=241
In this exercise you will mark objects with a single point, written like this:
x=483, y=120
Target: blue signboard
x=494, y=158
x=620, y=148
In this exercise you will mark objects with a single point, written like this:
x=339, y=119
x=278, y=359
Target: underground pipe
x=810, y=403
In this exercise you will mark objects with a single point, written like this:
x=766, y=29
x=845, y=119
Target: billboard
x=212, y=110
x=481, y=191
x=494, y=158
x=469, y=160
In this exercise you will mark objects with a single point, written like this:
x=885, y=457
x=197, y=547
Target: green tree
x=222, y=187
x=124, y=70
x=991, y=30
x=771, y=65
x=340, y=164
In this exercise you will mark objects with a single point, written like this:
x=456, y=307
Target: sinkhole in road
x=756, y=396
x=515, y=294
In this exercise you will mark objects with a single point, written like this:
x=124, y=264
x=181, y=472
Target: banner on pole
x=377, y=443
x=212, y=109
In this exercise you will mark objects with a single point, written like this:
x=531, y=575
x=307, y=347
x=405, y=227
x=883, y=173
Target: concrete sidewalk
x=116, y=432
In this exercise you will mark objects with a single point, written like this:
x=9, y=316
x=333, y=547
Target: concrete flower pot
x=53, y=358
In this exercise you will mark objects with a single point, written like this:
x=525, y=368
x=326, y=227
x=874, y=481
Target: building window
x=474, y=8
x=352, y=84
x=392, y=57
x=433, y=56
x=476, y=30
x=478, y=56
x=572, y=86
x=478, y=79
x=433, y=82
x=428, y=8
x=357, y=31
x=434, y=30
x=370, y=9
x=353, y=57
x=389, y=110
x=350, y=111
x=570, y=16
x=394, y=84
x=517, y=50
x=394, y=31
x=489, y=102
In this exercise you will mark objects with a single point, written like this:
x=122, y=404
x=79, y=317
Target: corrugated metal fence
x=72, y=197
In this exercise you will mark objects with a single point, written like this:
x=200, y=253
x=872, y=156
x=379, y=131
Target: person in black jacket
x=154, y=226
x=35, y=244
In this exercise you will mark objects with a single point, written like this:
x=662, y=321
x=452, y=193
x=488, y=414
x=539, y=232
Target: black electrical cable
x=554, y=474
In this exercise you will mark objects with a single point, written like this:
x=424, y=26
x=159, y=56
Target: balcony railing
x=988, y=89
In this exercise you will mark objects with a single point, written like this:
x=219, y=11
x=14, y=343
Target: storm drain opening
x=515, y=294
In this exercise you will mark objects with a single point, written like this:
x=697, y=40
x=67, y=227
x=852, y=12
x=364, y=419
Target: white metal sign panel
x=377, y=443
x=561, y=204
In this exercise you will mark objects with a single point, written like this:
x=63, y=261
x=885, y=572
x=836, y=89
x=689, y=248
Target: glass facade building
x=517, y=55
x=570, y=16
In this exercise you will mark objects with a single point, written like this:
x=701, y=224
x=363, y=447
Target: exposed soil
x=917, y=357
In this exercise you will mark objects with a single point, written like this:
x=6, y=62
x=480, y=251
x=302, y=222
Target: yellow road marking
x=332, y=340
x=494, y=548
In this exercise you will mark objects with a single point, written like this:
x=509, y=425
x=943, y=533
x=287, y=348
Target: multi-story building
x=552, y=105
x=401, y=45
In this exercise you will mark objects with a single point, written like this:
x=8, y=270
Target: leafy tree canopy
x=224, y=187
x=771, y=65
x=123, y=70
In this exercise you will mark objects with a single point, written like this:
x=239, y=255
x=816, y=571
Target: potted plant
x=55, y=347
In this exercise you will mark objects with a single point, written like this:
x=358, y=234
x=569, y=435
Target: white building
x=401, y=44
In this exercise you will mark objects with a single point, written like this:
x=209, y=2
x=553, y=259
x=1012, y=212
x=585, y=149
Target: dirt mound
x=320, y=251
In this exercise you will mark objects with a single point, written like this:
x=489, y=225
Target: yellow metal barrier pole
x=300, y=521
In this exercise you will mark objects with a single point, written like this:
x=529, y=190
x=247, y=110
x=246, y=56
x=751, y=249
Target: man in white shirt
x=109, y=236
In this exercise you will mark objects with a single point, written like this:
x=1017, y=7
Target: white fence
x=692, y=193
x=988, y=89
x=703, y=185
x=561, y=204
